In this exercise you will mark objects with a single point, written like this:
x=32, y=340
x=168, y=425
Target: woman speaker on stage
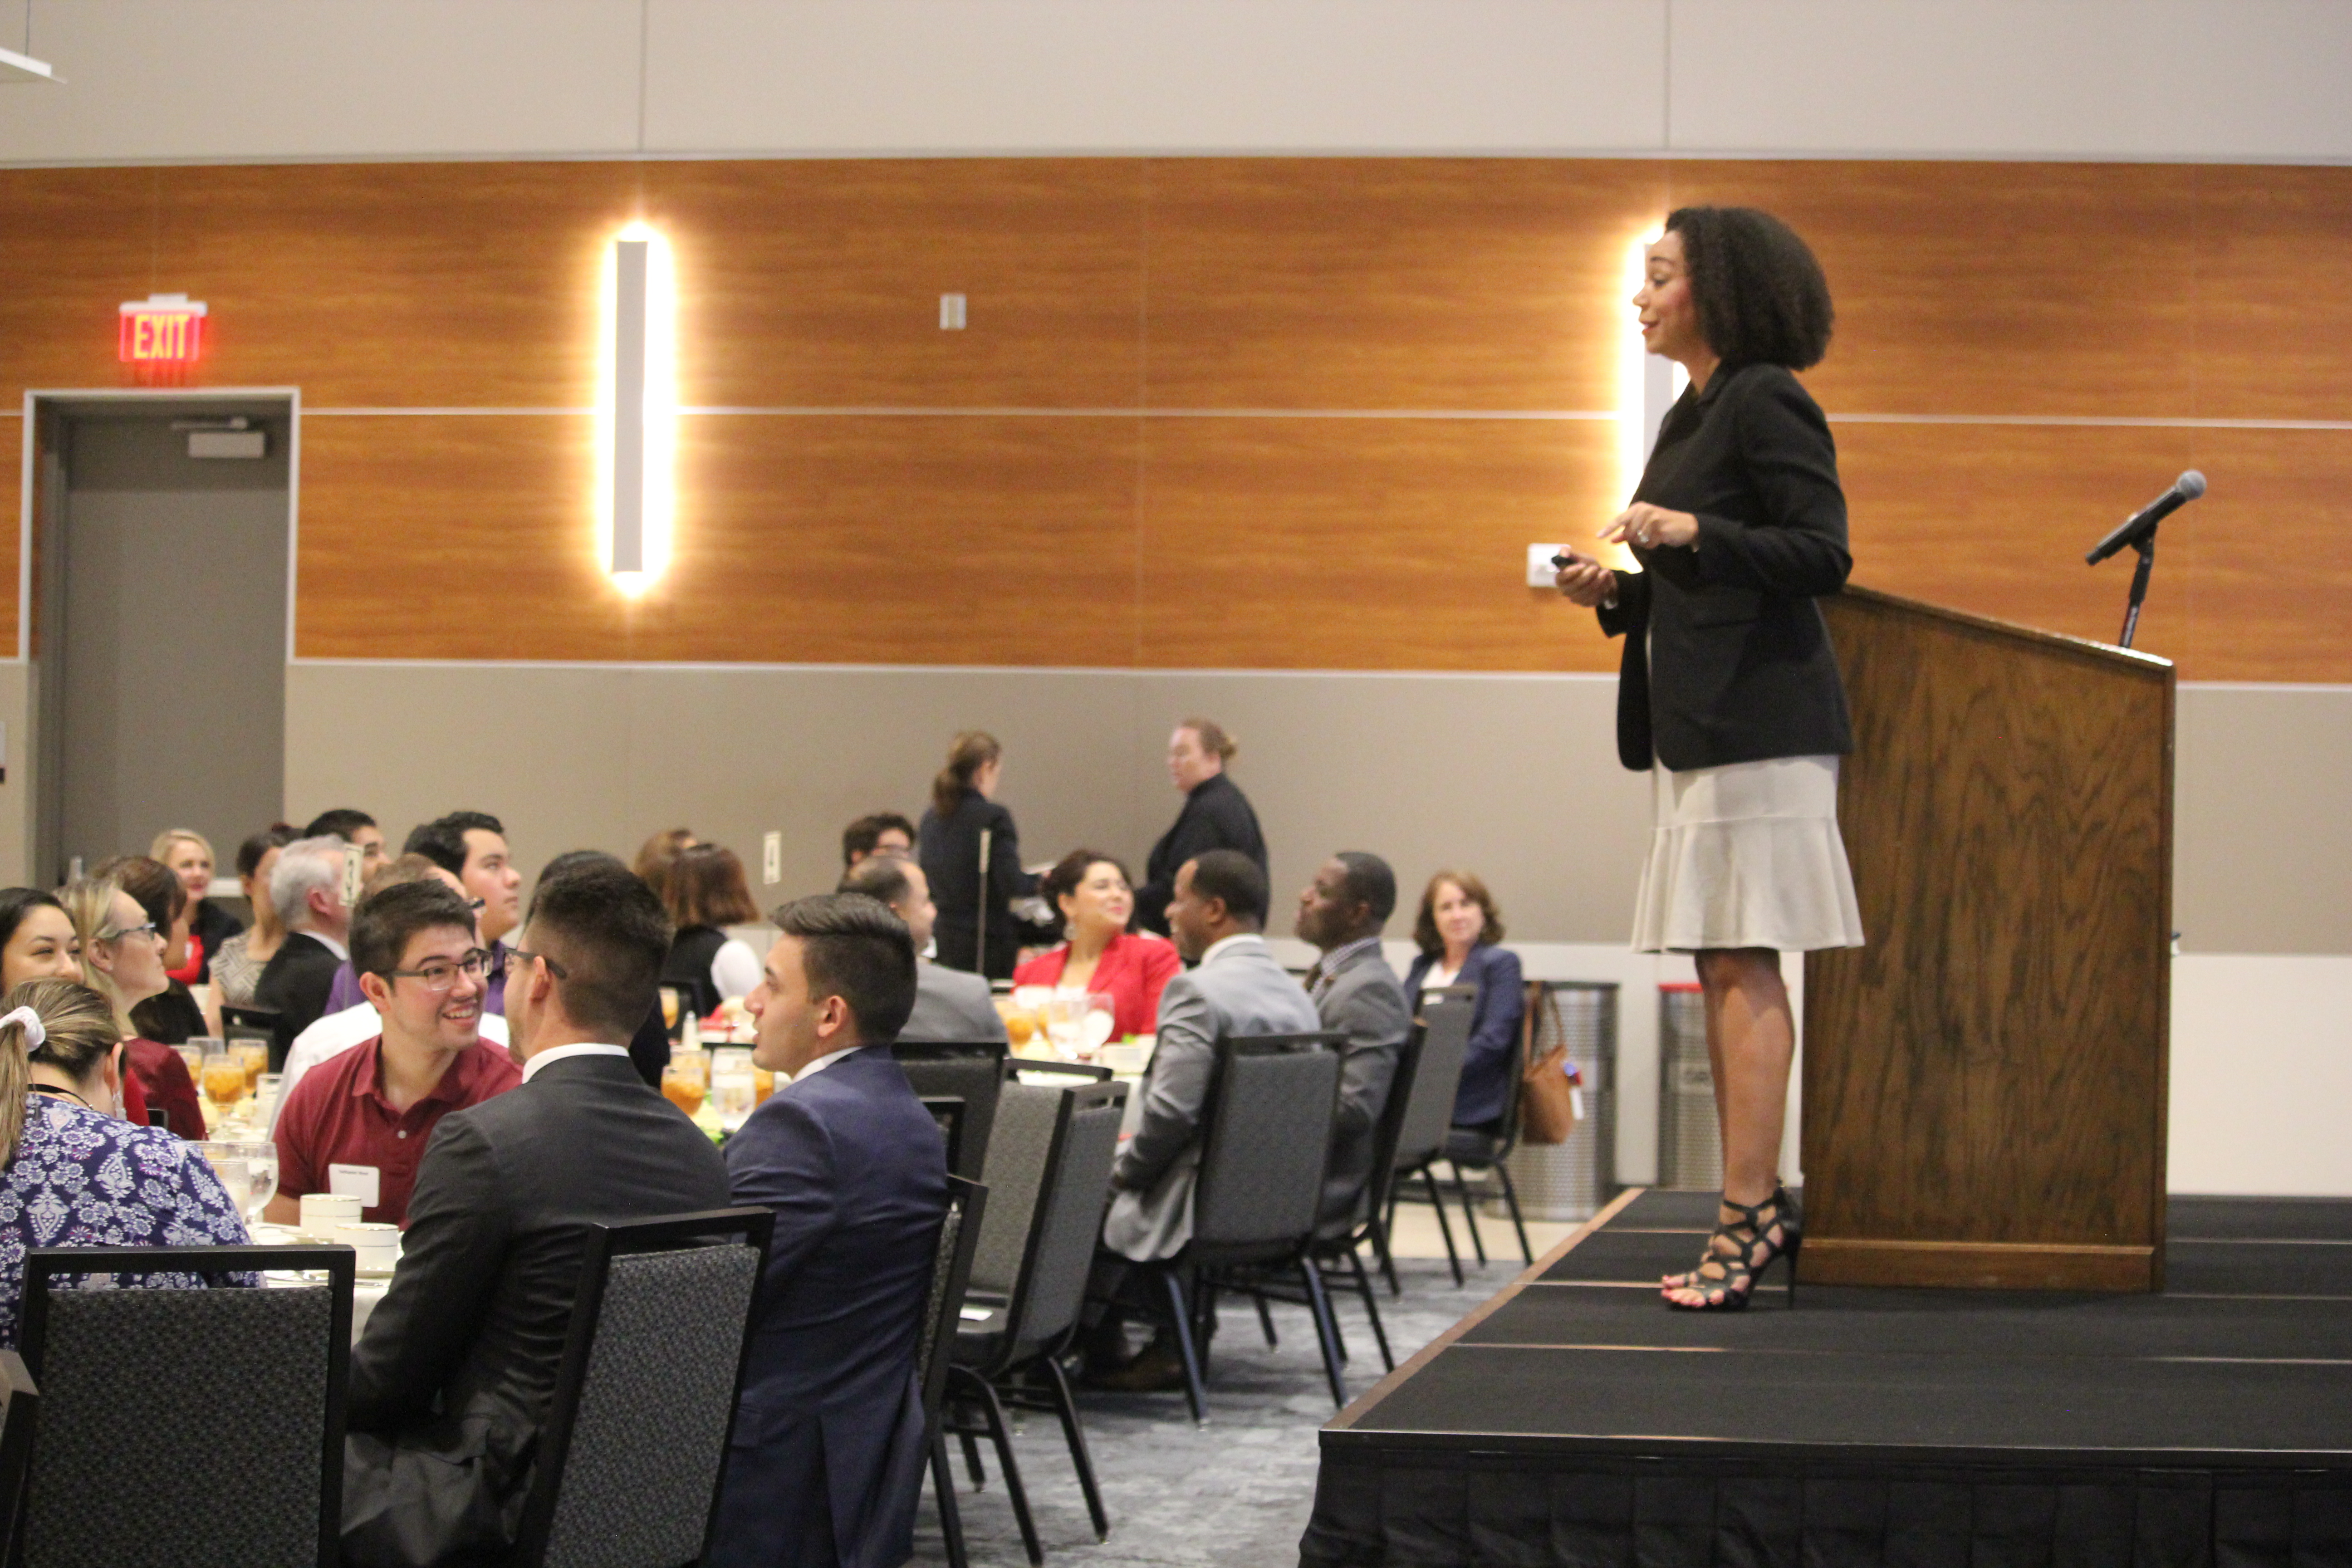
x=1729, y=695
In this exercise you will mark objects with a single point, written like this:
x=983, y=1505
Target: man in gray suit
x=1357, y=995
x=949, y=1004
x=1215, y=913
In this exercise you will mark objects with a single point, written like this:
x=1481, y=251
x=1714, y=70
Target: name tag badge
x=359, y=1181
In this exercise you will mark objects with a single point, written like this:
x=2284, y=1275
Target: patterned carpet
x=1234, y=1494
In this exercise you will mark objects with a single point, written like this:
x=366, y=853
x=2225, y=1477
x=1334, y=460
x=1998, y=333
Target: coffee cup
x=323, y=1211
x=377, y=1244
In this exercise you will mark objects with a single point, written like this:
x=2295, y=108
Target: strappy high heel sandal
x=1787, y=1215
x=1752, y=1250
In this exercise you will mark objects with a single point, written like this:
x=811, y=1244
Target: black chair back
x=1429, y=1109
x=968, y=1070
x=18, y=1422
x=1374, y=1201
x=947, y=1109
x=629, y=1460
x=950, y=1272
x=1065, y=1139
x=229, y=1401
x=1266, y=1137
x=1018, y=1069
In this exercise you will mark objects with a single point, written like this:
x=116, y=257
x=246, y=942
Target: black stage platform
x=1575, y=1419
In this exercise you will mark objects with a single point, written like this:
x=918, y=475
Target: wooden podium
x=1984, y=1083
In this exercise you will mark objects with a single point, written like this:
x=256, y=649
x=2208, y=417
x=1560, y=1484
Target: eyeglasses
x=517, y=956
x=150, y=929
x=441, y=975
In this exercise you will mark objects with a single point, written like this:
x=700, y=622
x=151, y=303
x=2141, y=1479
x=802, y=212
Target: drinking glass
x=736, y=1095
x=1065, y=1026
x=763, y=1084
x=193, y=1052
x=256, y=1056
x=261, y=1175
x=669, y=1006
x=235, y=1174
x=683, y=1086
x=1102, y=1020
x=225, y=1081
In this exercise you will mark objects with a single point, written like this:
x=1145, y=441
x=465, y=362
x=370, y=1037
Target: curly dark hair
x=1760, y=294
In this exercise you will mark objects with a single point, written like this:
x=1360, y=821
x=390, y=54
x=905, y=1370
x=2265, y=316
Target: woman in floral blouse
x=72, y=1172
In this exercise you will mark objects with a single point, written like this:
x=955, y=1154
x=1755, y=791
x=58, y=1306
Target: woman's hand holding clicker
x=1585, y=581
x=1648, y=525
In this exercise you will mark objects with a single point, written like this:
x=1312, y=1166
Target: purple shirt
x=345, y=992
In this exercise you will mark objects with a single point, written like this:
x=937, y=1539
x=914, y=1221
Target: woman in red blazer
x=1096, y=902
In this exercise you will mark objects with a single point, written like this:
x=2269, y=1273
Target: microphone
x=2142, y=523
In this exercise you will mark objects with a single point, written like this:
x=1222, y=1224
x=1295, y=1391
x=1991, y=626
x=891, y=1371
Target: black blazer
x=1217, y=815
x=1727, y=656
x=294, y=984
x=949, y=849
x=451, y=1381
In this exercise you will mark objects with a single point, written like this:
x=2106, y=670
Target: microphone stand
x=2145, y=545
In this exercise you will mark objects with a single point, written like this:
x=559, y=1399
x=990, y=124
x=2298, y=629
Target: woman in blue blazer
x=1459, y=930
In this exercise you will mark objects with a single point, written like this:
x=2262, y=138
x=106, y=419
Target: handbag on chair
x=1546, y=1096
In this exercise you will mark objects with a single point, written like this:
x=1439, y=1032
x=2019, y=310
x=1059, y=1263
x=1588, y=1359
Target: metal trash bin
x=1573, y=1181
x=1690, y=1135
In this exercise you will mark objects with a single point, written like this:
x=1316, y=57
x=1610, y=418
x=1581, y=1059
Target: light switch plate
x=772, y=858
x=1541, y=573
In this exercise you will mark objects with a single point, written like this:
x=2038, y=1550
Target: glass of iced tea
x=225, y=1081
x=254, y=1054
x=684, y=1087
x=763, y=1084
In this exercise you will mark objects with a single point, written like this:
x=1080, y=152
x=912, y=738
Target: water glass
x=261, y=1175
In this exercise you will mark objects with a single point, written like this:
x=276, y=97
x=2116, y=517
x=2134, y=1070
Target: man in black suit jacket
x=306, y=886
x=451, y=1382
x=826, y=1465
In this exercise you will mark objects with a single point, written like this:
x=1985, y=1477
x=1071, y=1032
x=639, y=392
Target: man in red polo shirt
x=358, y=1123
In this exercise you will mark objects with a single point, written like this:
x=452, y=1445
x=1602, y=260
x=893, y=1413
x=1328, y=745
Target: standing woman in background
x=238, y=966
x=963, y=825
x=1217, y=815
x=188, y=855
x=1729, y=695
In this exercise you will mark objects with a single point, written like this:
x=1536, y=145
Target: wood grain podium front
x=1984, y=1082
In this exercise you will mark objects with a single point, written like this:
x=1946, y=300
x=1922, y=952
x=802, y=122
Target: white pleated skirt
x=1746, y=855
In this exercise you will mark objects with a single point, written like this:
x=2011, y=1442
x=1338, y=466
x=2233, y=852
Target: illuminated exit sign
x=162, y=331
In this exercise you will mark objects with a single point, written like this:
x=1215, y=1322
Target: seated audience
x=949, y=1004
x=472, y=847
x=1458, y=931
x=450, y=1383
x=356, y=828
x=1355, y=994
x=883, y=833
x=338, y=1032
x=189, y=856
x=1100, y=952
x=306, y=886
x=72, y=1172
x=826, y=1463
x=39, y=942
x=359, y=1123
x=172, y=1016
x=655, y=854
x=649, y=1046
x=704, y=892
x=123, y=961
x=1216, y=910
x=238, y=966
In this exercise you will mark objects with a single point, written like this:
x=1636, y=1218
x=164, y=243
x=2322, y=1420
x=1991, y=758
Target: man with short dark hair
x=359, y=1123
x=1215, y=912
x=1356, y=994
x=450, y=1384
x=949, y=1004
x=355, y=827
x=472, y=847
x=828, y=1460
x=883, y=833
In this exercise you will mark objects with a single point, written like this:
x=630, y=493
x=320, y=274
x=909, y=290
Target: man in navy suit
x=826, y=1464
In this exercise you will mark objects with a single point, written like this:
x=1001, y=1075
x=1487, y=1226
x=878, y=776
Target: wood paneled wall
x=1142, y=451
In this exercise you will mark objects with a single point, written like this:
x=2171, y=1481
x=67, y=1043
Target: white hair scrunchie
x=35, y=1037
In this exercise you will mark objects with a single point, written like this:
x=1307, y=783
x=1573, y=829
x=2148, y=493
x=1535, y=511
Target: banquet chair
x=1050, y=1161
x=18, y=1421
x=636, y=1437
x=1474, y=1152
x=1265, y=1138
x=227, y=1393
x=950, y=1272
x=973, y=1071
x=1342, y=1242
x=947, y=1109
x=1429, y=1119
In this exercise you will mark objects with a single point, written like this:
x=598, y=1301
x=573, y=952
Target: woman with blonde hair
x=238, y=966
x=188, y=855
x=72, y=1172
x=122, y=961
x=1217, y=815
x=970, y=855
